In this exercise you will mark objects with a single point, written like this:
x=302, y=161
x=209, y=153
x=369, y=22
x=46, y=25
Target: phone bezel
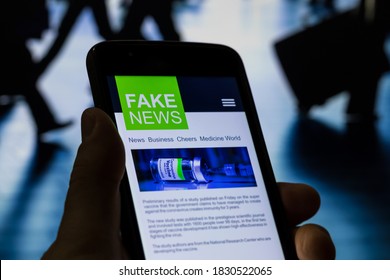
x=158, y=58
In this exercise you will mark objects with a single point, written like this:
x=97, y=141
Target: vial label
x=170, y=169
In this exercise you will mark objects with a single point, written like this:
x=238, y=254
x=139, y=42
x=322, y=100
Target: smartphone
x=198, y=182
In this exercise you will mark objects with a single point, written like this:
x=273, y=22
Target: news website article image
x=193, y=168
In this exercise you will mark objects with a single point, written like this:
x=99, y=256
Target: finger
x=91, y=219
x=313, y=242
x=300, y=201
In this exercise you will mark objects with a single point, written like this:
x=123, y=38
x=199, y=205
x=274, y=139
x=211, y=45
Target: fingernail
x=88, y=123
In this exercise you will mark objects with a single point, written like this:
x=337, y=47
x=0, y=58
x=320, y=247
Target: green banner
x=151, y=102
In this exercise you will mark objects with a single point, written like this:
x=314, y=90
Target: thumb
x=91, y=221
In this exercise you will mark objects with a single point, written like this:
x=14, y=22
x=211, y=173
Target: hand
x=90, y=227
x=311, y=241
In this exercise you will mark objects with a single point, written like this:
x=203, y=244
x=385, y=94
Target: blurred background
x=346, y=158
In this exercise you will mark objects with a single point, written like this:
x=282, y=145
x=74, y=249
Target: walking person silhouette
x=19, y=21
x=159, y=10
x=75, y=7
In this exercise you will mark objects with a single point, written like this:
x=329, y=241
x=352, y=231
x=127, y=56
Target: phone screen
x=194, y=174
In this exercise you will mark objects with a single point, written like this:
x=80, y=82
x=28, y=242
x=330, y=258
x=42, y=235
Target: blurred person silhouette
x=138, y=10
x=90, y=226
x=73, y=11
x=373, y=62
x=329, y=4
x=19, y=21
x=344, y=52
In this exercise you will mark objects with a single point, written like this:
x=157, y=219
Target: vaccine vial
x=196, y=170
x=179, y=170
